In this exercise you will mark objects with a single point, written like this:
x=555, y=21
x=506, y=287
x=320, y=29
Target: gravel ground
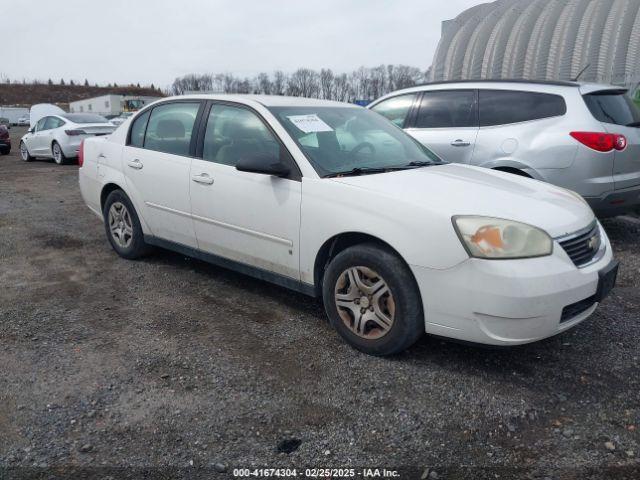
x=178, y=368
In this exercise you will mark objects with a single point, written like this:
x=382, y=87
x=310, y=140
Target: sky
x=155, y=41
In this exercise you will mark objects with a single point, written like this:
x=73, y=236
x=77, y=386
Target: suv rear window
x=502, y=107
x=613, y=106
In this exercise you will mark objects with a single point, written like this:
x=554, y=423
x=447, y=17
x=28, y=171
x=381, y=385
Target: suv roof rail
x=558, y=83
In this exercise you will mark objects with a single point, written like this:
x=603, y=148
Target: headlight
x=486, y=237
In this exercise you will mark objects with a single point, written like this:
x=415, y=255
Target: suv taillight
x=81, y=154
x=601, y=142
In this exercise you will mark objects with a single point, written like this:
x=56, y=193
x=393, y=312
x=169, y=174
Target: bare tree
x=279, y=83
x=264, y=84
x=304, y=83
x=326, y=83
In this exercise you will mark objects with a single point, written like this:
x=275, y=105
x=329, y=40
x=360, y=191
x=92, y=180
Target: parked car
x=332, y=200
x=5, y=140
x=5, y=122
x=59, y=136
x=117, y=121
x=583, y=137
x=23, y=122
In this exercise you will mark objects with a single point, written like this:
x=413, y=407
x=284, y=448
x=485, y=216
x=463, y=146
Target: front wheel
x=24, y=153
x=58, y=154
x=372, y=300
x=123, y=226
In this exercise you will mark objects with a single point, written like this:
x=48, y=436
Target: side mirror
x=32, y=129
x=263, y=163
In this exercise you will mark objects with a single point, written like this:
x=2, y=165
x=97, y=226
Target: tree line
x=362, y=84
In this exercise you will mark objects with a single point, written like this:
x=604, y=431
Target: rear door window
x=448, y=109
x=136, y=137
x=396, y=109
x=170, y=128
x=613, y=106
x=502, y=107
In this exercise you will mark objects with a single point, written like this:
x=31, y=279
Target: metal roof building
x=543, y=39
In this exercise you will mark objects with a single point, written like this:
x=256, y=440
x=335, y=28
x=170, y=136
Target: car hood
x=454, y=189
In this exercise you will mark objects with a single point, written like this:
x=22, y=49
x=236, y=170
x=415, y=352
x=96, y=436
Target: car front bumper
x=510, y=302
x=616, y=202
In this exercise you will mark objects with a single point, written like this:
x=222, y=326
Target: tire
x=58, y=154
x=397, y=300
x=126, y=238
x=24, y=153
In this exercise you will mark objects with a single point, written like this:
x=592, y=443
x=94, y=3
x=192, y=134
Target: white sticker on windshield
x=310, y=123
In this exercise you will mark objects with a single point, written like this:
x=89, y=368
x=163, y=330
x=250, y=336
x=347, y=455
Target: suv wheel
x=24, y=152
x=372, y=300
x=123, y=226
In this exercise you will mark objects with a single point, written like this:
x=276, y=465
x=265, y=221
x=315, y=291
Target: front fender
x=421, y=237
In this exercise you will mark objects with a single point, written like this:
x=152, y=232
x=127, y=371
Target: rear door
x=446, y=121
x=618, y=114
x=157, y=163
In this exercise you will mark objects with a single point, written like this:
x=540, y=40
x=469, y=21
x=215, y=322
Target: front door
x=447, y=123
x=249, y=218
x=157, y=164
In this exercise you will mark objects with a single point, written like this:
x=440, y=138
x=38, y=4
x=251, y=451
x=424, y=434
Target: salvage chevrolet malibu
x=336, y=202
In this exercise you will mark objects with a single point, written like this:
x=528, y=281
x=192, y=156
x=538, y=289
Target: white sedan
x=334, y=201
x=59, y=136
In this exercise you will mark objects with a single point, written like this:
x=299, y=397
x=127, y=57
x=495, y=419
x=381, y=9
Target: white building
x=14, y=113
x=111, y=105
x=543, y=40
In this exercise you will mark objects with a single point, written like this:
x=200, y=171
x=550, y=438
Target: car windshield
x=343, y=140
x=85, y=118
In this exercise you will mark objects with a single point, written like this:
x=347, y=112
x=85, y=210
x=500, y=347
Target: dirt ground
x=171, y=367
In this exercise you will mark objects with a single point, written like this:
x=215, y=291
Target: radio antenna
x=581, y=72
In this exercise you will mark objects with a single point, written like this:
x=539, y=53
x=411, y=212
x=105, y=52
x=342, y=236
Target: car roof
x=264, y=100
x=517, y=84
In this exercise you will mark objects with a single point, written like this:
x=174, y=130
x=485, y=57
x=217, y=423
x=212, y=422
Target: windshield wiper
x=357, y=171
x=420, y=163
x=633, y=124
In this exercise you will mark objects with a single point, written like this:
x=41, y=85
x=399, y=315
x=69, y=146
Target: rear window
x=502, y=107
x=613, y=107
x=85, y=118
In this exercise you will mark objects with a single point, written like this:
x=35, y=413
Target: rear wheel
x=58, y=155
x=123, y=226
x=372, y=300
x=24, y=152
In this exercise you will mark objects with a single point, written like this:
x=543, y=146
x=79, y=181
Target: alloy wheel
x=57, y=153
x=365, y=302
x=24, y=153
x=120, y=224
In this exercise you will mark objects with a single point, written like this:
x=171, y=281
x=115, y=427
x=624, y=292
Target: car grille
x=572, y=311
x=583, y=246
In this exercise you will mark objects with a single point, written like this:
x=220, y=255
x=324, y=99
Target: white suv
x=583, y=137
x=334, y=201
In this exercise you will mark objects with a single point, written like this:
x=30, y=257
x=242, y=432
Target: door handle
x=202, y=178
x=460, y=143
x=135, y=164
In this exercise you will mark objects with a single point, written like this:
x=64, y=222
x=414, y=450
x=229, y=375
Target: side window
x=502, y=107
x=136, y=136
x=233, y=133
x=448, y=109
x=40, y=126
x=396, y=109
x=171, y=127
